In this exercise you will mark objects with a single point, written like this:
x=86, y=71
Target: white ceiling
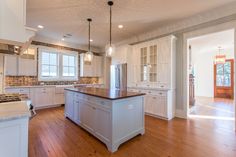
x=210, y=43
x=138, y=16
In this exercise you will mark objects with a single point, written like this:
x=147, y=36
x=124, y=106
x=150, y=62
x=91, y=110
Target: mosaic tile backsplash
x=33, y=80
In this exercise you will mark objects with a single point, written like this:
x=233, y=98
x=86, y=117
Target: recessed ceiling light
x=40, y=26
x=62, y=39
x=120, y=26
x=91, y=40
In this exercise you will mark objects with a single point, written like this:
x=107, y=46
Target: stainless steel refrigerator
x=118, y=79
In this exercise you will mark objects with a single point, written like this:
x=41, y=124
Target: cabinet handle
x=102, y=102
x=94, y=108
x=160, y=93
x=149, y=92
x=162, y=86
x=154, y=97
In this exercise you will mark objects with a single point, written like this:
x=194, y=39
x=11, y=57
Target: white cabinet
x=21, y=65
x=153, y=64
x=102, y=129
x=77, y=112
x=69, y=104
x=42, y=96
x=14, y=137
x=87, y=116
x=111, y=121
x=27, y=67
x=158, y=103
x=11, y=62
x=91, y=69
x=18, y=90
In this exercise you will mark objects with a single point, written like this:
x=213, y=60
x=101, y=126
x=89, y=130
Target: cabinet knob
x=94, y=108
x=149, y=92
x=154, y=97
x=160, y=93
x=162, y=86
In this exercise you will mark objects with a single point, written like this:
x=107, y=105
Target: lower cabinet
x=42, y=97
x=158, y=103
x=87, y=116
x=93, y=117
x=111, y=121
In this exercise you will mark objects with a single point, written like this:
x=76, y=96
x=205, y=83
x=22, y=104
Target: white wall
x=203, y=64
x=1, y=73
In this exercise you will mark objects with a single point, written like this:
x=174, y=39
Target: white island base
x=113, y=121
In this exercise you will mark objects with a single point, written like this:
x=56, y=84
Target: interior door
x=224, y=80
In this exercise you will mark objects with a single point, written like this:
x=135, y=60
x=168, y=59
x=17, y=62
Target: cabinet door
x=11, y=63
x=164, y=75
x=103, y=123
x=87, y=116
x=69, y=104
x=148, y=106
x=164, y=50
x=77, y=111
x=27, y=67
x=159, y=105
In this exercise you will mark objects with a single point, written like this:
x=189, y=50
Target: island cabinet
x=111, y=121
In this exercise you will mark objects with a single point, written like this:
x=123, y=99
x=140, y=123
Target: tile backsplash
x=33, y=80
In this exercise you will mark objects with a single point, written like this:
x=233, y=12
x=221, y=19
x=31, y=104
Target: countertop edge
x=119, y=98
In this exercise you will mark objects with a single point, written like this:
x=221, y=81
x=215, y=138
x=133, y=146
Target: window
x=223, y=74
x=49, y=64
x=57, y=66
x=69, y=66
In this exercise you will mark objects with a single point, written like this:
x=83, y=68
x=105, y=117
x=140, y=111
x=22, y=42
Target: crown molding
x=218, y=15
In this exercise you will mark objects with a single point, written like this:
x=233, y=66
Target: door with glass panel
x=148, y=60
x=224, y=80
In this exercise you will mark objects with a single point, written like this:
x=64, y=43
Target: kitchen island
x=14, y=119
x=113, y=116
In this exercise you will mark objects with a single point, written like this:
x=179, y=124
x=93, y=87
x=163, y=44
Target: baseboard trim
x=180, y=114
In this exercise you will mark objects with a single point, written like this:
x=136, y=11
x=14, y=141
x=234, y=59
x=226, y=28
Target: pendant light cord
x=89, y=47
x=110, y=24
x=110, y=3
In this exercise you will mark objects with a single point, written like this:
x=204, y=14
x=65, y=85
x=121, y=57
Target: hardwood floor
x=213, y=107
x=52, y=135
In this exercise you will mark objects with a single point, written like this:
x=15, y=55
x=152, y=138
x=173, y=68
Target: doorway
x=211, y=76
x=224, y=79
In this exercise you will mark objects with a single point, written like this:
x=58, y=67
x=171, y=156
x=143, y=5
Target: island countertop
x=110, y=94
x=13, y=110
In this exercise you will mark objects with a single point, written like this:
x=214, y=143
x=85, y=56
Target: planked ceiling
x=60, y=17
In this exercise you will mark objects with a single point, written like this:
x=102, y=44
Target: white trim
x=200, y=32
x=59, y=69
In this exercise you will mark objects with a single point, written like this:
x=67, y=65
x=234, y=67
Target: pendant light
x=110, y=48
x=220, y=59
x=89, y=55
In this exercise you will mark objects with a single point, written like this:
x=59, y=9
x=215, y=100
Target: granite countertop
x=110, y=94
x=38, y=86
x=13, y=110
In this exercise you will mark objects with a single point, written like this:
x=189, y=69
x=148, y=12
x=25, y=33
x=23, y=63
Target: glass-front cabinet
x=148, y=63
x=154, y=63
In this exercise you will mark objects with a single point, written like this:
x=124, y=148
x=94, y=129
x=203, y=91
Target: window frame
x=60, y=54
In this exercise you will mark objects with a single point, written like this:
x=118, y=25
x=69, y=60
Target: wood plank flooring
x=52, y=135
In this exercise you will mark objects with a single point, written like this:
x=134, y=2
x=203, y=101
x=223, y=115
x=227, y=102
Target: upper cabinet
x=153, y=64
x=91, y=69
x=24, y=65
x=13, y=21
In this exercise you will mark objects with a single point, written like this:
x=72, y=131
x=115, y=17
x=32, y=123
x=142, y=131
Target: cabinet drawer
x=159, y=93
x=162, y=85
x=17, y=90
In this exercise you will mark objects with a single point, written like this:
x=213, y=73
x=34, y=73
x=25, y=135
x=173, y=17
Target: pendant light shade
x=220, y=58
x=89, y=55
x=110, y=48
